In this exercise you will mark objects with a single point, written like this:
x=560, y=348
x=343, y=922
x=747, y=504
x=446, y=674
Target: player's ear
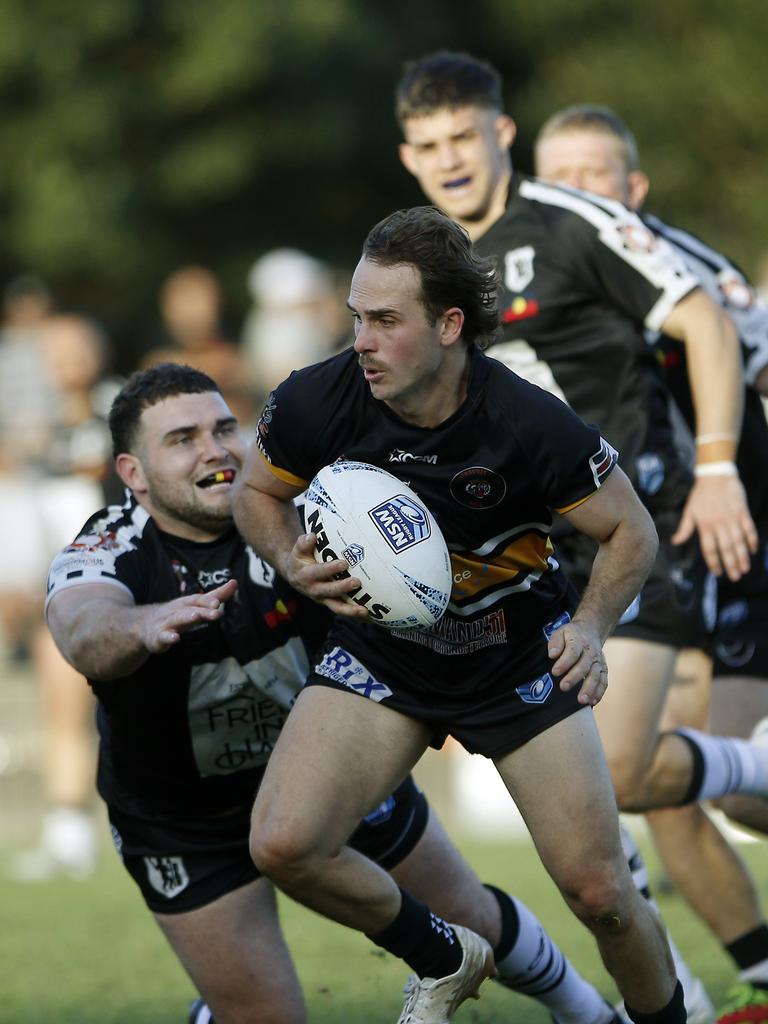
x=506, y=130
x=131, y=472
x=452, y=324
x=407, y=157
x=638, y=185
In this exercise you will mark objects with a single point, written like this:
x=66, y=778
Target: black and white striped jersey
x=191, y=729
x=731, y=290
x=582, y=279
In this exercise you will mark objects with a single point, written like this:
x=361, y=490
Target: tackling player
x=591, y=148
x=196, y=651
x=511, y=670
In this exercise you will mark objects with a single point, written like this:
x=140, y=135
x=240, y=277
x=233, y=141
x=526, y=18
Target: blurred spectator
x=190, y=306
x=761, y=277
x=27, y=411
x=297, y=317
x=68, y=483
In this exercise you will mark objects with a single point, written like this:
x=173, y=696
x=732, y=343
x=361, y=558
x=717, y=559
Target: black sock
x=672, y=1013
x=510, y=923
x=427, y=944
x=749, y=950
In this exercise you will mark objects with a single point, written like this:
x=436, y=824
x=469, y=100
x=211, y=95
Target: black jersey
x=728, y=287
x=582, y=277
x=491, y=474
x=191, y=729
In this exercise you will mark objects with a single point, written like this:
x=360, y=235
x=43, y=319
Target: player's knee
x=282, y=854
x=598, y=893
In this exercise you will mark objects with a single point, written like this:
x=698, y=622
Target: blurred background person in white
x=298, y=316
x=72, y=472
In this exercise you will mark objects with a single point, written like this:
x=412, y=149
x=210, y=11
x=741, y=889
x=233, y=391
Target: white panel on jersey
x=520, y=357
x=236, y=711
x=625, y=234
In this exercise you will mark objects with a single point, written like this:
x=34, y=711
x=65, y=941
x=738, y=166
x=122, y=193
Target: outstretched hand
x=577, y=653
x=164, y=623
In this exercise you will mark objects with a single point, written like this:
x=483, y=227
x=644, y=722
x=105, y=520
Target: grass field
x=89, y=953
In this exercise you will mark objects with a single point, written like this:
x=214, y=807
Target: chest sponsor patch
x=478, y=487
x=235, y=712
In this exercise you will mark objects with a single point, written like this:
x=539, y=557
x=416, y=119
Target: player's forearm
x=269, y=524
x=620, y=568
x=715, y=372
x=103, y=641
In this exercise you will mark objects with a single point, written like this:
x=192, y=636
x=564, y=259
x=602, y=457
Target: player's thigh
x=235, y=953
x=738, y=704
x=561, y=785
x=436, y=873
x=339, y=755
x=688, y=699
x=639, y=674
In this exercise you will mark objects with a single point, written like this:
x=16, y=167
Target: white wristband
x=715, y=469
x=714, y=438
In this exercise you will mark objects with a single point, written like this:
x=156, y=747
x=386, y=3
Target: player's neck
x=440, y=396
x=496, y=207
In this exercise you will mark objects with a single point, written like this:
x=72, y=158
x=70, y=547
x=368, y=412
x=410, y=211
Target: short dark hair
x=146, y=388
x=589, y=117
x=446, y=80
x=452, y=273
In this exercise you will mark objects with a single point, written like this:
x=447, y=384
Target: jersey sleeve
x=569, y=459
x=100, y=554
x=293, y=427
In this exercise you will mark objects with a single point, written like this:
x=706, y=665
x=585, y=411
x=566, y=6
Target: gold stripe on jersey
x=514, y=567
x=283, y=474
x=569, y=508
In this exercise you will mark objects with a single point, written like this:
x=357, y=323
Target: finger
x=685, y=528
x=590, y=691
x=572, y=653
x=579, y=672
x=710, y=550
x=556, y=644
x=225, y=591
x=348, y=609
x=598, y=690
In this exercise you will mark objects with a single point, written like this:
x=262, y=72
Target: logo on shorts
x=631, y=613
x=736, y=654
x=537, y=691
x=382, y=813
x=650, y=472
x=733, y=613
x=401, y=522
x=478, y=487
x=555, y=624
x=341, y=667
x=167, y=875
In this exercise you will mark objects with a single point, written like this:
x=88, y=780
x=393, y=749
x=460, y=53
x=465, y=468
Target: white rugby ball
x=389, y=538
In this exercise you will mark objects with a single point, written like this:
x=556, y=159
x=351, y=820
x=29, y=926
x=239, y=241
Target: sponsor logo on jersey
x=167, y=875
x=262, y=427
x=340, y=666
x=603, y=461
x=210, y=579
x=537, y=691
x=282, y=612
x=354, y=554
x=398, y=455
x=478, y=487
x=106, y=541
x=518, y=268
x=636, y=237
x=734, y=291
x=520, y=308
x=401, y=522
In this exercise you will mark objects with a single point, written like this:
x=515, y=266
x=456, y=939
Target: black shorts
x=514, y=701
x=185, y=864
x=740, y=640
x=678, y=603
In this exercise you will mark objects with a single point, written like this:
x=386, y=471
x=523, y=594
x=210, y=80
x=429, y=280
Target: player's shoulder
x=334, y=369
x=515, y=399
x=567, y=205
x=116, y=529
x=690, y=244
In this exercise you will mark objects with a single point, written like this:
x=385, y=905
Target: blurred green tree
x=141, y=134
